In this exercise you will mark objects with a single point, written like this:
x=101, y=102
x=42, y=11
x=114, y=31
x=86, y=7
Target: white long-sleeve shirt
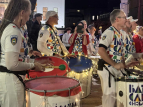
x=14, y=50
x=65, y=39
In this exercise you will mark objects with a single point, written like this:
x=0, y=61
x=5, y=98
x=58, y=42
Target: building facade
x=43, y=6
x=3, y=6
x=57, y=5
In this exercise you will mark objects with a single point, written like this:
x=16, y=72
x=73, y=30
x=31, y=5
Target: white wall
x=60, y=4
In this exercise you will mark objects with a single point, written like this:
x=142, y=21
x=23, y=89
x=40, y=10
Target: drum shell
x=55, y=97
x=130, y=92
x=35, y=100
x=85, y=79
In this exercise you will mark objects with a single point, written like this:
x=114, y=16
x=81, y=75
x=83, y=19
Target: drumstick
x=61, y=67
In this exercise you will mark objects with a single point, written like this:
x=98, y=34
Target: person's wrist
x=33, y=66
x=113, y=64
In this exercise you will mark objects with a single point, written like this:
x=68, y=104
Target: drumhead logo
x=136, y=95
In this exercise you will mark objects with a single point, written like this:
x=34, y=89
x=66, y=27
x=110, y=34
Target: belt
x=16, y=73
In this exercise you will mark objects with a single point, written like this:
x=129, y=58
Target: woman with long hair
x=13, y=58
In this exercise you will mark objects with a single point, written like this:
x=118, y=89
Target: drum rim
x=124, y=79
x=95, y=56
x=53, y=90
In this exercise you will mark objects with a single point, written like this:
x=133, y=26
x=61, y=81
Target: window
x=45, y=10
x=56, y=9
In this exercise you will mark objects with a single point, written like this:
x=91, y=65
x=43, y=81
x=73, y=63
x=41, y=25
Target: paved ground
x=94, y=99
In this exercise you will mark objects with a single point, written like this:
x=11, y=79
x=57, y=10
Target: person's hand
x=57, y=55
x=49, y=62
x=39, y=67
x=119, y=66
x=70, y=55
x=36, y=53
x=132, y=64
x=93, y=54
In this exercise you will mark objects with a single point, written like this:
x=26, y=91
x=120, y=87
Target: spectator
x=94, y=43
x=99, y=34
x=35, y=30
x=79, y=41
x=66, y=37
x=138, y=39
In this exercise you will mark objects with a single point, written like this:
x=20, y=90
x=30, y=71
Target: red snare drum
x=50, y=71
x=55, y=91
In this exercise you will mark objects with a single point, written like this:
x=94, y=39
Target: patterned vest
x=78, y=45
x=52, y=42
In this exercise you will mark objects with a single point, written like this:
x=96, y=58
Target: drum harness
x=101, y=63
x=16, y=73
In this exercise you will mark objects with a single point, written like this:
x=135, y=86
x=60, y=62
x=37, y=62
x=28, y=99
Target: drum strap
x=101, y=63
x=109, y=79
x=16, y=73
x=110, y=74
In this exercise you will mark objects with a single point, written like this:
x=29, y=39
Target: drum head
x=50, y=71
x=54, y=85
x=79, y=64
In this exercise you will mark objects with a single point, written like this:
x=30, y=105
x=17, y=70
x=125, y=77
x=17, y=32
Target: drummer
x=94, y=43
x=13, y=59
x=129, y=45
x=138, y=39
x=111, y=51
x=79, y=41
x=48, y=41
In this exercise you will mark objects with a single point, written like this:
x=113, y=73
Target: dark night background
x=97, y=5
x=88, y=8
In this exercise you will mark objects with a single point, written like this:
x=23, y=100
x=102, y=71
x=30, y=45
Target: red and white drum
x=129, y=91
x=53, y=91
x=50, y=71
